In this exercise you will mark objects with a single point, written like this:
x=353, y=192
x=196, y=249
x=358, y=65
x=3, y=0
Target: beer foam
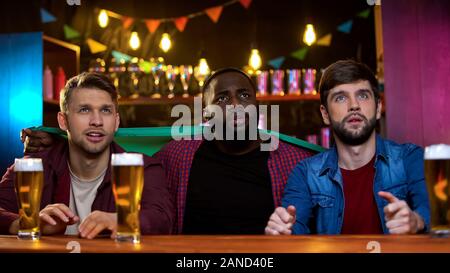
x=28, y=165
x=127, y=159
x=438, y=151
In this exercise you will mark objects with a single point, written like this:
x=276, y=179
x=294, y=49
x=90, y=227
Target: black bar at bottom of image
x=204, y=262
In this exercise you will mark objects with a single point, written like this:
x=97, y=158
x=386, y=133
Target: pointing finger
x=388, y=196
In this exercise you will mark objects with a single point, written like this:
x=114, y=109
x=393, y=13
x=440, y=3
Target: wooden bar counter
x=233, y=244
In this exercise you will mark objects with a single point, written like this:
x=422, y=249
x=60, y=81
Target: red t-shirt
x=360, y=213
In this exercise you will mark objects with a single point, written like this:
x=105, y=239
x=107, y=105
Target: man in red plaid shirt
x=216, y=183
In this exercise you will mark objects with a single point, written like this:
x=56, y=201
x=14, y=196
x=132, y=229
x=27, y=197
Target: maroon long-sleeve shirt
x=157, y=206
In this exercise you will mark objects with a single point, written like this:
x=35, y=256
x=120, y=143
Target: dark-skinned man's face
x=232, y=89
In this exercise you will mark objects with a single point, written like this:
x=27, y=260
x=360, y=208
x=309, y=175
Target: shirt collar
x=330, y=161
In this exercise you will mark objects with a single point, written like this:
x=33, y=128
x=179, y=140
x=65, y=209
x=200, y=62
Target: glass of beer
x=28, y=182
x=128, y=182
x=437, y=176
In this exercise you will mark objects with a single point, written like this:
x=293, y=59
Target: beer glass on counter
x=28, y=182
x=128, y=183
x=437, y=177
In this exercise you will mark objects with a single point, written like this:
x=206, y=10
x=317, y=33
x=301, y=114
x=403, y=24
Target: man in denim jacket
x=363, y=185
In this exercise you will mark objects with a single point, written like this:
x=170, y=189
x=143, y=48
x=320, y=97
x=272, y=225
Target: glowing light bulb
x=103, y=18
x=310, y=35
x=135, y=42
x=165, y=43
x=255, y=60
x=203, y=67
x=201, y=71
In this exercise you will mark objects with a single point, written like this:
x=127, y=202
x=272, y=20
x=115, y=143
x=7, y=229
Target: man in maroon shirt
x=77, y=188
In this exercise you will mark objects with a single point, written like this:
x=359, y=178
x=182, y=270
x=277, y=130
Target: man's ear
x=117, y=122
x=62, y=121
x=325, y=116
x=379, y=108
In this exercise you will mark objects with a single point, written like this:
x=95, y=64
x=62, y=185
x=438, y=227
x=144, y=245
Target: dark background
x=274, y=26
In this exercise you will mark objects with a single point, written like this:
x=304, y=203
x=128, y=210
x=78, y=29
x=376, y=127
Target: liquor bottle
x=60, y=81
x=48, y=83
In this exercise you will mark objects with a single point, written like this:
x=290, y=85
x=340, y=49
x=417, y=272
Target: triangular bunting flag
x=95, y=47
x=152, y=24
x=277, y=62
x=300, y=54
x=120, y=56
x=364, y=14
x=245, y=3
x=47, y=17
x=346, y=27
x=180, y=23
x=70, y=33
x=214, y=13
x=127, y=22
x=325, y=40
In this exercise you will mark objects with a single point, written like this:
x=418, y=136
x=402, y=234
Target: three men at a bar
x=363, y=185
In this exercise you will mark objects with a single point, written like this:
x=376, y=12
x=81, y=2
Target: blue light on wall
x=21, y=57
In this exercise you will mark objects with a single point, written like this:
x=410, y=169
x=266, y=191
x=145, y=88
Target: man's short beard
x=354, y=139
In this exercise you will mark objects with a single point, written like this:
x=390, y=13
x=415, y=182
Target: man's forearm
x=14, y=227
x=7, y=219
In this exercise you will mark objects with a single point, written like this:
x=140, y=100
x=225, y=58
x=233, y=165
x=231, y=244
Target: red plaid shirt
x=177, y=158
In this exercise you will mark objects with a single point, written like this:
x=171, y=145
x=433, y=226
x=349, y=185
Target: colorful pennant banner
x=95, y=47
x=277, y=62
x=300, y=54
x=214, y=13
x=325, y=40
x=180, y=23
x=245, y=3
x=121, y=56
x=47, y=17
x=346, y=27
x=127, y=22
x=70, y=33
x=364, y=14
x=152, y=25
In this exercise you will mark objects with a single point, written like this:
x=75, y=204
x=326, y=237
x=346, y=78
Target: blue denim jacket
x=315, y=187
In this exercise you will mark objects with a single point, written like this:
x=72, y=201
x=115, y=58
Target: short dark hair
x=87, y=80
x=346, y=71
x=226, y=70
